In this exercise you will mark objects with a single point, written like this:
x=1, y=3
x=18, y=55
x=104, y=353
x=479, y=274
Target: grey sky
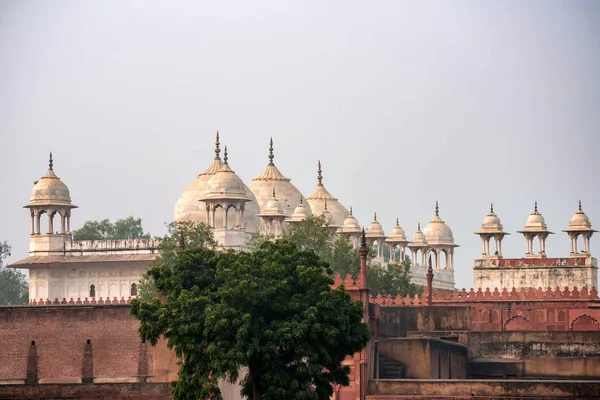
x=404, y=102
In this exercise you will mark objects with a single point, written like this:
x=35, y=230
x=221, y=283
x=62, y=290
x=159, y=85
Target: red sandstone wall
x=61, y=333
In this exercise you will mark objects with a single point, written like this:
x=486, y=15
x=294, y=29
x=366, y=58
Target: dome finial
x=397, y=222
x=301, y=201
x=325, y=204
x=579, y=205
x=437, y=209
x=274, y=193
x=350, y=210
x=217, y=147
x=418, y=226
x=491, y=208
x=375, y=216
x=225, y=155
x=319, y=176
x=271, y=156
x=51, y=163
x=535, y=210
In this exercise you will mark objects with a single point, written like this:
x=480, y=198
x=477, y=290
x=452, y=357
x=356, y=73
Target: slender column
x=450, y=259
x=50, y=223
x=496, y=245
x=37, y=223
x=69, y=222
x=62, y=223
x=225, y=211
x=500, y=247
x=483, y=242
x=32, y=222
x=237, y=218
x=213, y=222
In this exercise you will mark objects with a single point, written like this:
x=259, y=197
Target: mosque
x=62, y=268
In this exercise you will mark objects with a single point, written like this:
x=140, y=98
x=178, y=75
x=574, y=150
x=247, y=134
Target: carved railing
x=79, y=301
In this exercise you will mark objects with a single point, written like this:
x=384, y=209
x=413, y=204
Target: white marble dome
x=271, y=178
x=397, y=234
x=300, y=213
x=375, y=230
x=535, y=221
x=419, y=238
x=437, y=232
x=50, y=190
x=350, y=224
x=491, y=223
x=580, y=220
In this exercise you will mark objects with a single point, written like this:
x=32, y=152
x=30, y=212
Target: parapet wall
x=124, y=246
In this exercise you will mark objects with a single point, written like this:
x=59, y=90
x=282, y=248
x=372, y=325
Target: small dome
x=50, y=190
x=351, y=224
x=437, y=232
x=419, y=238
x=397, y=234
x=579, y=219
x=273, y=206
x=300, y=213
x=491, y=223
x=535, y=221
x=328, y=216
x=225, y=184
x=375, y=230
x=321, y=197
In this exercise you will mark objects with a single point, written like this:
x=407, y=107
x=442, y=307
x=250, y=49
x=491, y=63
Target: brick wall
x=61, y=335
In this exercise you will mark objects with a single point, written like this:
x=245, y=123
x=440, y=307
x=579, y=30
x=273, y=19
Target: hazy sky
x=404, y=102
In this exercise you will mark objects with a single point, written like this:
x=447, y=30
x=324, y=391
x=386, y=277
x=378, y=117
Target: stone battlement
x=78, y=301
x=122, y=246
x=582, y=260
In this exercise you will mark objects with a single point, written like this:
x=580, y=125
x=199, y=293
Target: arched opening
x=218, y=212
x=134, y=290
x=231, y=216
x=431, y=255
x=444, y=259
x=92, y=291
x=41, y=223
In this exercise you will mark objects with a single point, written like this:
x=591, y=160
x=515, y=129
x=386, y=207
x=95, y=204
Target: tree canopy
x=194, y=235
x=13, y=283
x=271, y=310
x=314, y=234
x=124, y=228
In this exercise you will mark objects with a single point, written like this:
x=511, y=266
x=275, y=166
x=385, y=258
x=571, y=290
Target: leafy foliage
x=271, y=310
x=125, y=228
x=195, y=235
x=13, y=283
x=313, y=234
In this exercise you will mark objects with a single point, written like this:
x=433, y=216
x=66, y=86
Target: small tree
x=272, y=311
x=13, y=283
x=125, y=228
x=195, y=235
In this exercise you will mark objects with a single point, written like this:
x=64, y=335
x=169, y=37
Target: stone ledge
x=81, y=391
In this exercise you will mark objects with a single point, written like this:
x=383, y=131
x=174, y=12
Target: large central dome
x=272, y=179
x=189, y=207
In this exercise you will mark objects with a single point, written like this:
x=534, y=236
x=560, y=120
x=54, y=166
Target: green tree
x=392, y=279
x=271, y=310
x=312, y=234
x=194, y=235
x=13, y=283
x=125, y=228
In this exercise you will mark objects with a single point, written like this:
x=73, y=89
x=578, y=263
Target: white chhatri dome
x=535, y=222
x=437, y=232
x=579, y=219
x=300, y=213
x=320, y=197
x=351, y=224
x=491, y=223
x=397, y=234
x=418, y=238
x=375, y=230
x=273, y=206
x=50, y=190
x=271, y=178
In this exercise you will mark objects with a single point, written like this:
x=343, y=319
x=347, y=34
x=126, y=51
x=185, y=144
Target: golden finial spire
x=51, y=163
x=217, y=147
x=225, y=156
x=319, y=176
x=271, y=156
x=437, y=209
